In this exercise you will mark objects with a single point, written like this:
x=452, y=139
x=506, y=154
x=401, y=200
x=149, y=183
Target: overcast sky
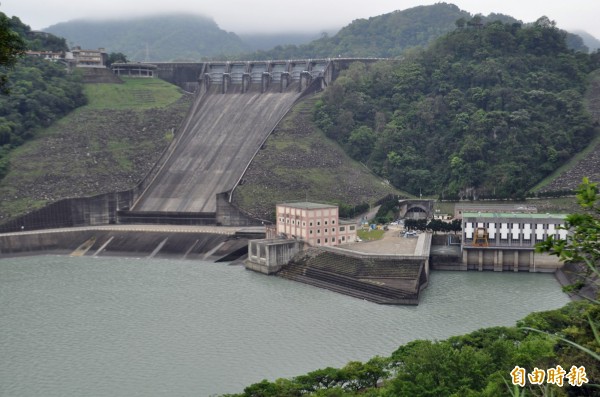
x=244, y=16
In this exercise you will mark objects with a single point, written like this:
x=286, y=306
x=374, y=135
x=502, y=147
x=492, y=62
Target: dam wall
x=211, y=246
x=83, y=211
x=218, y=141
x=237, y=106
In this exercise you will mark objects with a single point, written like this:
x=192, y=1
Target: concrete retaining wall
x=185, y=75
x=84, y=211
x=514, y=260
x=118, y=243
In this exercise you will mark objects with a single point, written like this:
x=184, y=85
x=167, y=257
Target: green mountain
x=173, y=37
x=486, y=111
x=384, y=36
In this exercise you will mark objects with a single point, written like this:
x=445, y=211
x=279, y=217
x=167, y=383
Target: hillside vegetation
x=107, y=145
x=485, y=111
x=39, y=92
x=585, y=163
x=299, y=163
x=391, y=35
x=384, y=36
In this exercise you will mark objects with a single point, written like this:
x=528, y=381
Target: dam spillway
x=219, y=138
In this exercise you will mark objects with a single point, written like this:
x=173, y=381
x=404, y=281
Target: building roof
x=305, y=205
x=512, y=215
x=499, y=207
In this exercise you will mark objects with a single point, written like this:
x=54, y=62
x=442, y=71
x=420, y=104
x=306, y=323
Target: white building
x=511, y=230
x=506, y=241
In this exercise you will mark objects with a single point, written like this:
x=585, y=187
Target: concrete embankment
x=209, y=245
x=219, y=139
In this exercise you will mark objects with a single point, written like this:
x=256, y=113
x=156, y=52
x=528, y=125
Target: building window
x=342, y=228
x=318, y=241
x=325, y=230
x=293, y=222
x=318, y=223
x=333, y=230
x=318, y=231
x=333, y=221
x=325, y=240
x=343, y=238
x=310, y=224
x=303, y=223
x=310, y=231
x=325, y=222
x=351, y=227
x=287, y=220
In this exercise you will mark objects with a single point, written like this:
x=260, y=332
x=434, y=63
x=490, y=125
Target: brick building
x=317, y=224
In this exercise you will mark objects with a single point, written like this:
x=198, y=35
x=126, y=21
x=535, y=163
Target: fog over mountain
x=158, y=38
x=590, y=41
x=269, y=16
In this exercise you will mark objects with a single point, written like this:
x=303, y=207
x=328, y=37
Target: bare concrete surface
x=392, y=244
x=220, y=138
x=229, y=230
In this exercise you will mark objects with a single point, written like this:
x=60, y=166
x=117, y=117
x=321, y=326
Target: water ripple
x=123, y=327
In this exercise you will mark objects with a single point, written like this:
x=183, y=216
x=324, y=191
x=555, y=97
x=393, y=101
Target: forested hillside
x=40, y=93
x=383, y=36
x=487, y=110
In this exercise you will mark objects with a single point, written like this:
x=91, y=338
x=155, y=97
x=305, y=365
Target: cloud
x=242, y=16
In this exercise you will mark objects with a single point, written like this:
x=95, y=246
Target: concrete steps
x=349, y=286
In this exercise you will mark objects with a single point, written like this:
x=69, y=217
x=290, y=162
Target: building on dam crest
x=316, y=224
x=505, y=241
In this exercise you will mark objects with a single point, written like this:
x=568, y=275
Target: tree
x=116, y=57
x=12, y=47
x=583, y=243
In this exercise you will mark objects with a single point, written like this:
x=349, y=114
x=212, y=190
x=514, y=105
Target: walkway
x=228, y=230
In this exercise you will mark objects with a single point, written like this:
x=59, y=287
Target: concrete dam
x=235, y=110
x=236, y=107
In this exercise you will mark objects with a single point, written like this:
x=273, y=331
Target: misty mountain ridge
x=172, y=37
x=590, y=41
x=183, y=37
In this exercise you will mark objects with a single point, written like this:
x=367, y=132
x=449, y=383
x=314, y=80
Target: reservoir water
x=137, y=327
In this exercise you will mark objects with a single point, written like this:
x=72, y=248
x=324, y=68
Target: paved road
x=218, y=141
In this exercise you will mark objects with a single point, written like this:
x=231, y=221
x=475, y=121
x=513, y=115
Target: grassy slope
x=109, y=144
x=299, y=163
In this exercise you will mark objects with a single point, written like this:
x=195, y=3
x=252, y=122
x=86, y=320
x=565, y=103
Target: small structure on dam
x=137, y=69
x=415, y=209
